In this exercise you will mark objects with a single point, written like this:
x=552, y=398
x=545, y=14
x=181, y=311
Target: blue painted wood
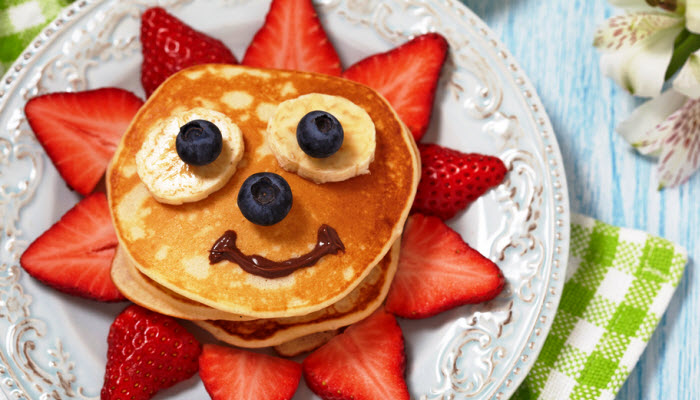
x=607, y=179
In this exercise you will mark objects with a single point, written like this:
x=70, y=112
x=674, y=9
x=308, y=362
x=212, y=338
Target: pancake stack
x=163, y=259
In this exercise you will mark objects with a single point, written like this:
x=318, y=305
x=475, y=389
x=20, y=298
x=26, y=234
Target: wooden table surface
x=552, y=40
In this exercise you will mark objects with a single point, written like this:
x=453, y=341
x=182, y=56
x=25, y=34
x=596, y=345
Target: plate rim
x=562, y=217
x=527, y=355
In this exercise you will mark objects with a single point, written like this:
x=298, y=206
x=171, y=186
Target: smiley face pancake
x=172, y=243
x=244, y=332
x=356, y=306
x=141, y=290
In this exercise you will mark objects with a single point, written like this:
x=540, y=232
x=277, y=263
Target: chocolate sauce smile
x=327, y=242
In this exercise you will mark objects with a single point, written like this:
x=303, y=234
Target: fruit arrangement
x=437, y=270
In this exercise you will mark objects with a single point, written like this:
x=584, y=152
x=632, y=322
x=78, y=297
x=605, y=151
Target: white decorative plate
x=54, y=346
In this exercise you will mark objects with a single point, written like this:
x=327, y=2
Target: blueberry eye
x=265, y=198
x=319, y=134
x=199, y=142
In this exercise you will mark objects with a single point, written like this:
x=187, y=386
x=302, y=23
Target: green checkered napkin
x=618, y=285
x=619, y=281
x=20, y=22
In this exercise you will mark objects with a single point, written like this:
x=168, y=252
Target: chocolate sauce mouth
x=225, y=248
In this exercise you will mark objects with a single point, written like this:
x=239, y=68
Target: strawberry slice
x=438, y=271
x=365, y=362
x=452, y=180
x=147, y=352
x=293, y=38
x=233, y=374
x=169, y=45
x=80, y=131
x=75, y=254
x=407, y=76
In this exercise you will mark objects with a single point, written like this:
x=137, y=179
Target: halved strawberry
x=451, y=180
x=438, y=271
x=169, y=45
x=80, y=131
x=293, y=38
x=407, y=76
x=75, y=254
x=234, y=374
x=147, y=352
x=365, y=362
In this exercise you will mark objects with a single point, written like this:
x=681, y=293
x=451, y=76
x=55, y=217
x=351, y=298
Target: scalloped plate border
x=555, y=178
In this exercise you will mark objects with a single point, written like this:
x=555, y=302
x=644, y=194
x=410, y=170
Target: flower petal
x=641, y=128
x=688, y=79
x=632, y=4
x=692, y=15
x=639, y=65
x=627, y=30
x=680, y=147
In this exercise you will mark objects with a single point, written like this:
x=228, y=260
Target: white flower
x=637, y=47
x=688, y=79
x=632, y=5
x=667, y=127
x=638, y=50
x=692, y=15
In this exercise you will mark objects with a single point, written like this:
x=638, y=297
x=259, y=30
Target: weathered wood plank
x=607, y=180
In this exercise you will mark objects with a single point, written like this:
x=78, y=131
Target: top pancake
x=171, y=243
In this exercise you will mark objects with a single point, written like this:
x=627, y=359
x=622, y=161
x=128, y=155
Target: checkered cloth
x=619, y=281
x=20, y=22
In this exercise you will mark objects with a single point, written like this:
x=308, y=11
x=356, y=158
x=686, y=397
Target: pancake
x=359, y=304
x=170, y=243
x=305, y=344
x=145, y=292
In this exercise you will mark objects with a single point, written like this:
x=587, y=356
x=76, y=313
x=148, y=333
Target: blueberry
x=319, y=134
x=265, y=198
x=199, y=142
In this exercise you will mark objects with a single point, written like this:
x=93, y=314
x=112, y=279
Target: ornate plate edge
x=560, y=214
x=556, y=179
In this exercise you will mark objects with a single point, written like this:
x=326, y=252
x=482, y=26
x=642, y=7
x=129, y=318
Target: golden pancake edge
x=170, y=244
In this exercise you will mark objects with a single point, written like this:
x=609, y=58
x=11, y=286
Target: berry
x=265, y=198
x=234, y=374
x=319, y=134
x=147, y=352
x=80, y=131
x=169, y=45
x=75, y=254
x=407, y=77
x=452, y=180
x=366, y=362
x=199, y=142
x=293, y=38
x=438, y=271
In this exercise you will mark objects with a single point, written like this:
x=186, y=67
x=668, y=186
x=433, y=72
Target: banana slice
x=353, y=157
x=169, y=179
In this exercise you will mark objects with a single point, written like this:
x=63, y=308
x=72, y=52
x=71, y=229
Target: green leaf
x=681, y=37
x=686, y=44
